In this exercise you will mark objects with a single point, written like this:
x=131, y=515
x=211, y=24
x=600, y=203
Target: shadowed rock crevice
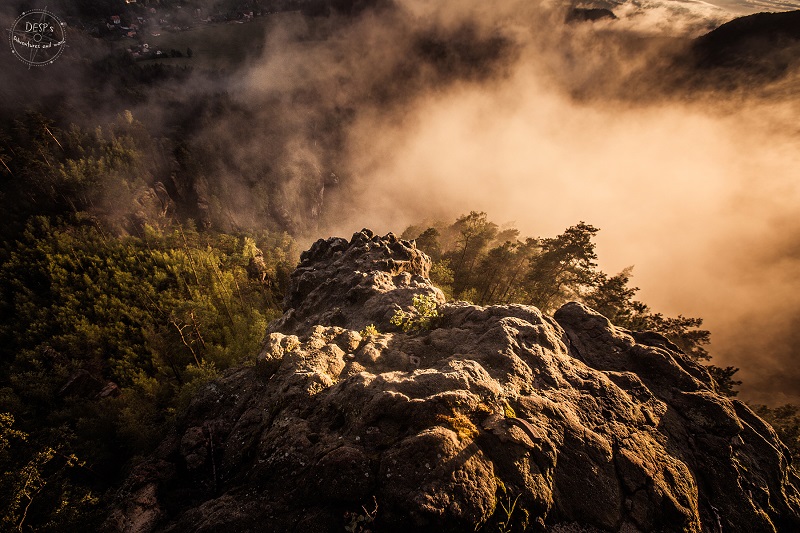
x=576, y=420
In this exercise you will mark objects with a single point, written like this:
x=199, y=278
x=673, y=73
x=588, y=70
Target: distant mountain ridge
x=744, y=40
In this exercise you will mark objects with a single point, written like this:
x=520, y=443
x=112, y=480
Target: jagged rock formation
x=610, y=430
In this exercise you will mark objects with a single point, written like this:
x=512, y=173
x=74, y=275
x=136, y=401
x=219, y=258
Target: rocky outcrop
x=489, y=416
x=354, y=284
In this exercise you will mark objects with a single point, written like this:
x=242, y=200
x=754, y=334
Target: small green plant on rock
x=508, y=411
x=369, y=331
x=461, y=424
x=427, y=309
x=291, y=345
x=509, y=514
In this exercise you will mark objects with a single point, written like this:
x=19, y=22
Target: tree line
x=474, y=259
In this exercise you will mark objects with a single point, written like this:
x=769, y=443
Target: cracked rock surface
x=398, y=432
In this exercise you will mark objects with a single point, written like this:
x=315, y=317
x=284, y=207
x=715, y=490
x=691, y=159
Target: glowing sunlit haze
x=699, y=194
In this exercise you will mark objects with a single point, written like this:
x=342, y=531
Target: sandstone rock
x=355, y=284
x=614, y=430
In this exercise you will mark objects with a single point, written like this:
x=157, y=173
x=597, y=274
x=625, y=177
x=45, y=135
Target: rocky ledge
x=486, y=417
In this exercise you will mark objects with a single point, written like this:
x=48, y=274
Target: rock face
x=491, y=416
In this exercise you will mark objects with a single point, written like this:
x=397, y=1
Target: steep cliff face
x=491, y=415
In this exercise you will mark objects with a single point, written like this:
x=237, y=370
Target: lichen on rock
x=612, y=430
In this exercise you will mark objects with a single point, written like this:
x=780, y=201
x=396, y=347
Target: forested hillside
x=116, y=308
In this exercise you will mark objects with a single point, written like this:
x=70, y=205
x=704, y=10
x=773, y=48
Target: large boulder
x=490, y=417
